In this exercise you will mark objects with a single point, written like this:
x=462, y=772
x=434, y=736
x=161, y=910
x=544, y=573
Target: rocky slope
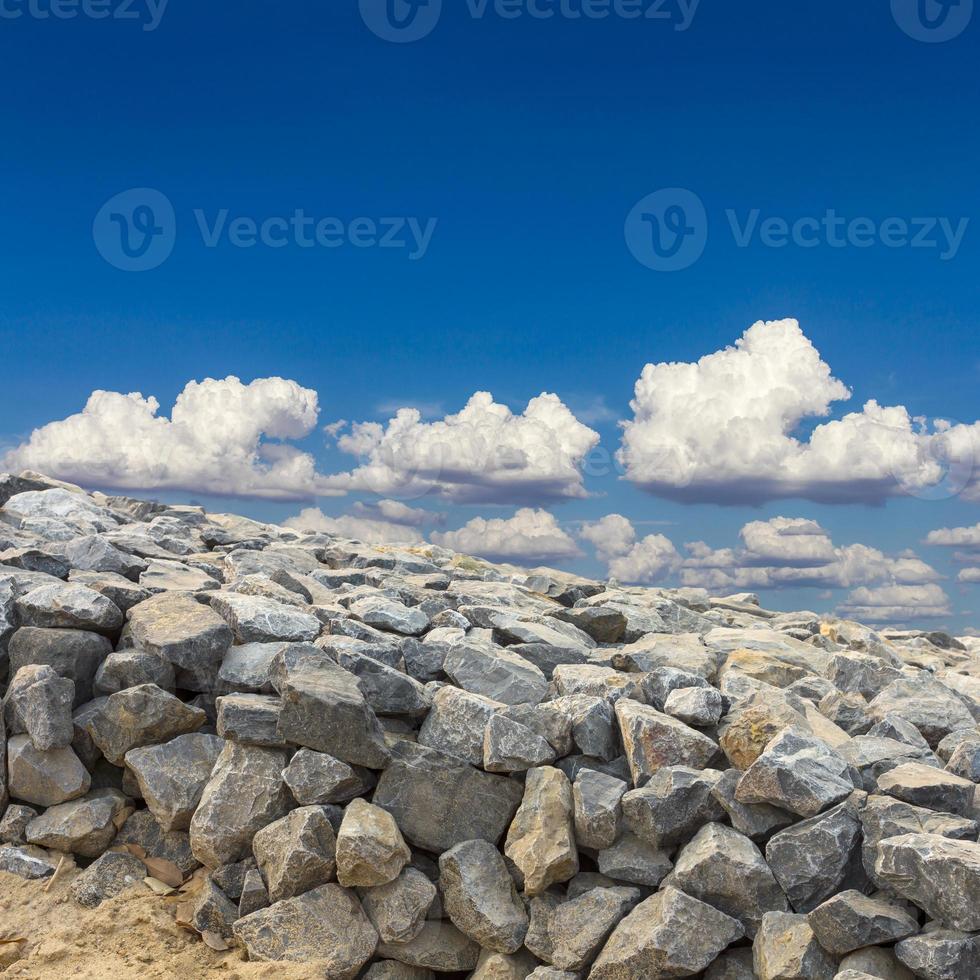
x=399, y=763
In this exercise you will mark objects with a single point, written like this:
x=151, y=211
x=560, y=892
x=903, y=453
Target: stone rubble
x=396, y=763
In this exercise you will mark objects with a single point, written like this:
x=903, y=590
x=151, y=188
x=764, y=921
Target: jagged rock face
x=395, y=764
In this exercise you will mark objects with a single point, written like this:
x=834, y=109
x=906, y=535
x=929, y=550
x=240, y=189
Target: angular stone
x=130, y=668
x=296, y=852
x=593, y=725
x=733, y=964
x=111, y=875
x=389, y=615
x=495, y=673
x=941, y=876
x=850, y=920
x=926, y=703
x=848, y=711
x=597, y=682
x=603, y=624
x=541, y=839
x=94, y=553
x=252, y=719
x=164, y=575
x=654, y=740
x=785, y=948
x=387, y=690
x=71, y=653
x=254, y=895
x=139, y=716
x=184, y=632
x=439, y=946
x=398, y=909
x=818, y=857
x=503, y=966
x=316, y=778
x=872, y=757
x=673, y=806
x=370, y=848
x=722, y=867
x=931, y=788
x=213, y=912
x=66, y=606
x=44, y=778
x=323, y=709
x=14, y=823
x=509, y=746
x=27, y=861
x=244, y=794
x=172, y=776
x=457, y=723
x=756, y=820
x=965, y=760
x=326, y=924
x=796, y=772
x=597, y=799
x=941, y=954
x=393, y=970
x=439, y=801
x=634, y=861
x=579, y=928
x=39, y=703
x=876, y=961
x=668, y=935
x=36, y=560
x=84, y=827
x=695, y=705
x=140, y=828
x=255, y=619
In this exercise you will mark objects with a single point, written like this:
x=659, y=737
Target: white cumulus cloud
x=725, y=430
x=969, y=575
x=529, y=536
x=215, y=441
x=363, y=529
x=396, y=512
x=956, y=537
x=896, y=603
x=484, y=453
x=611, y=536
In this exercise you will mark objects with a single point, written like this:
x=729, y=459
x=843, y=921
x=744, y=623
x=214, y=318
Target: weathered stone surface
x=44, y=778
x=184, y=632
x=579, y=928
x=326, y=924
x=255, y=619
x=926, y=703
x=785, y=948
x=140, y=828
x=593, y=730
x=931, y=788
x=597, y=799
x=38, y=702
x=252, y=719
x=370, y=848
x=139, y=716
x=457, y=723
x=389, y=615
x=733, y=964
x=541, y=839
x=480, y=898
x=14, y=823
x=439, y=946
x=393, y=970
x=653, y=740
x=244, y=794
x=75, y=654
x=111, y=875
x=941, y=876
x=673, y=806
x=965, y=760
x=695, y=705
x=668, y=935
x=323, y=709
x=387, y=690
x=26, y=861
x=130, y=668
x=850, y=920
x=254, y=894
x=213, y=912
x=296, y=852
x=509, y=746
x=941, y=954
x=85, y=827
x=798, y=773
x=722, y=867
x=439, y=801
x=757, y=821
x=495, y=673
x=818, y=857
x=315, y=777
x=873, y=757
x=876, y=961
x=634, y=861
x=94, y=553
x=172, y=776
x=503, y=966
x=398, y=909
x=66, y=606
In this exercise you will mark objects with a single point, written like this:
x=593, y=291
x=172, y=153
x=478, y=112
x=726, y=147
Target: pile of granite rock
x=398, y=763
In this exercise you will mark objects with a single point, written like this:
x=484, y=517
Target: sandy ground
x=133, y=935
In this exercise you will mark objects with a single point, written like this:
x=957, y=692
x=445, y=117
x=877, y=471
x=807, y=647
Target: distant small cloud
x=427, y=410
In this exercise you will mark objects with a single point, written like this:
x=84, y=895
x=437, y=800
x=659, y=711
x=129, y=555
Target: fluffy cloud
x=485, y=453
x=780, y=553
x=396, y=512
x=359, y=528
x=215, y=441
x=528, y=536
x=956, y=537
x=896, y=603
x=969, y=575
x=722, y=430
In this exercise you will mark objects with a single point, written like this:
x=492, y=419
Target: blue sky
x=528, y=142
